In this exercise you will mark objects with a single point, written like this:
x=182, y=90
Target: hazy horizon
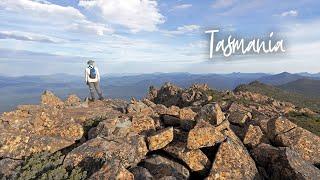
x=136, y=74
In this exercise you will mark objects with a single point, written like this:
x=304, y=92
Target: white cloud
x=186, y=29
x=23, y=36
x=39, y=8
x=181, y=6
x=137, y=15
x=289, y=13
x=45, y=13
x=223, y=3
x=199, y=44
x=88, y=27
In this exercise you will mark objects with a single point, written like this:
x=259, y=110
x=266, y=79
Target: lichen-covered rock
x=129, y=150
x=187, y=118
x=284, y=163
x=49, y=99
x=278, y=126
x=149, y=103
x=143, y=124
x=41, y=129
x=187, y=114
x=110, y=139
x=232, y=161
x=171, y=120
x=72, y=100
x=160, y=109
x=22, y=145
x=160, y=167
x=303, y=142
x=160, y=139
x=211, y=113
x=139, y=107
x=239, y=117
x=112, y=170
x=204, y=135
x=195, y=159
x=239, y=131
x=167, y=95
x=254, y=136
x=141, y=173
x=113, y=127
x=173, y=111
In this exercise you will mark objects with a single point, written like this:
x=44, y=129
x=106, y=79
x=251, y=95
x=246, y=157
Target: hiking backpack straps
x=93, y=73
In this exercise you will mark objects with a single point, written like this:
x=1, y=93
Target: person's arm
x=98, y=74
x=86, y=75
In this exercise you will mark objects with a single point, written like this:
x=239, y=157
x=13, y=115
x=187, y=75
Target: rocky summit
x=174, y=133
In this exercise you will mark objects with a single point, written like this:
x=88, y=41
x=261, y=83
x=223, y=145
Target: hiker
x=92, y=77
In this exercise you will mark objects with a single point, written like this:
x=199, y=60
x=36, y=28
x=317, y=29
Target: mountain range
x=26, y=89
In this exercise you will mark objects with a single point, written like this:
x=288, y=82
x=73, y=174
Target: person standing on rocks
x=92, y=77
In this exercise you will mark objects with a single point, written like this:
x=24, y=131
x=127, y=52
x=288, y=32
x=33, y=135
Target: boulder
x=161, y=167
x=141, y=173
x=284, y=162
x=112, y=170
x=187, y=118
x=152, y=94
x=239, y=131
x=254, y=136
x=171, y=120
x=139, y=107
x=173, y=111
x=18, y=145
x=303, y=142
x=187, y=114
x=128, y=150
x=204, y=135
x=239, y=117
x=160, y=139
x=114, y=127
x=33, y=130
x=263, y=124
x=160, y=109
x=73, y=100
x=195, y=95
x=232, y=161
x=143, y=124
x=185, y=124
x=167, y=95
x=149, y=103
x=278, y=126
x=211, y=113
x=49, y=99
x=195, y=159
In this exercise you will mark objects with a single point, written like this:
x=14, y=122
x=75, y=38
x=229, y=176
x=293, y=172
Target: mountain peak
x=181, y=133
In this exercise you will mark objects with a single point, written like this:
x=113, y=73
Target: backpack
x=93, y=73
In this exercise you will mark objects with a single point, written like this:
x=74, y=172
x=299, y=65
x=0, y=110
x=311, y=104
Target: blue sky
x=144, y=36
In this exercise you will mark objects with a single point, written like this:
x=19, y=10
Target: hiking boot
x=91, y=99
x=101, y=98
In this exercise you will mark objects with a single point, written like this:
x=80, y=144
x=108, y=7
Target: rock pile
x=175, y=133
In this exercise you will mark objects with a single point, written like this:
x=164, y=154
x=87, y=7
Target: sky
x=40, y=37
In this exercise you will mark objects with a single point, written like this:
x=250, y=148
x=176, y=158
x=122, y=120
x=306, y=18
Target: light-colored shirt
x=87, y=75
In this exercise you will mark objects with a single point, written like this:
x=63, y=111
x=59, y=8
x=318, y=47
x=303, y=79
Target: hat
x=90, y=62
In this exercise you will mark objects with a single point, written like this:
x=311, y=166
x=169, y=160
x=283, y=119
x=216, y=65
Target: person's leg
x=98, y=89
x=91, y=88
